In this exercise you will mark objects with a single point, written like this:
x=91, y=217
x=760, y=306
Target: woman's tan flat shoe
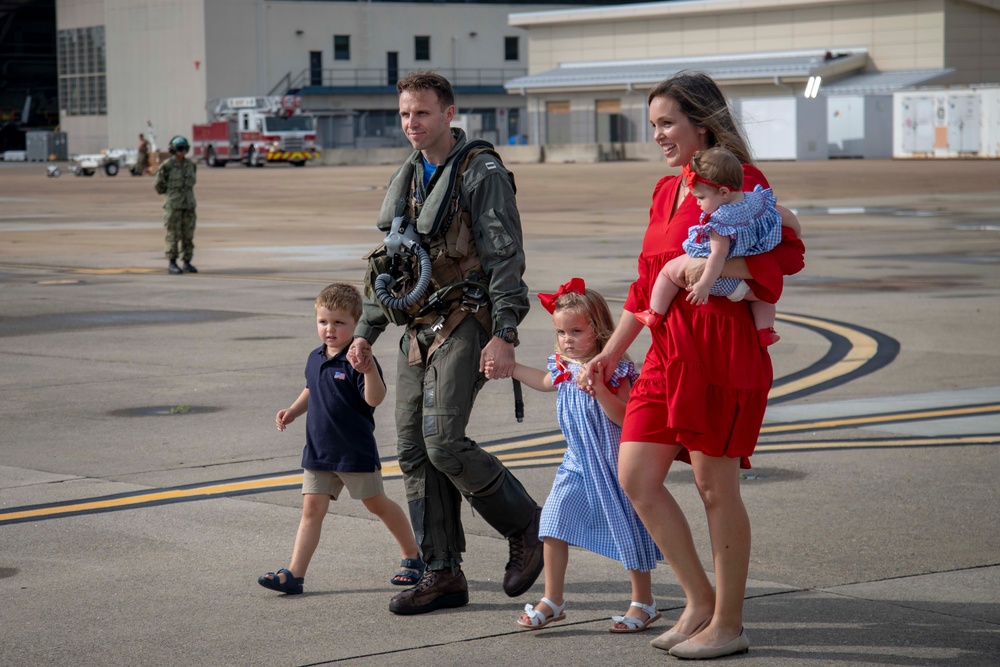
x=670, y=638
x=689, y=651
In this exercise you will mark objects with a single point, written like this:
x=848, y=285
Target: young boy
x=340, y=446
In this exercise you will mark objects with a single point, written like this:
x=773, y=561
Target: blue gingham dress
x=753, y=225
x=587, y=507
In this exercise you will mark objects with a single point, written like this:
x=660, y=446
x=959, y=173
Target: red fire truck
x=255, y=130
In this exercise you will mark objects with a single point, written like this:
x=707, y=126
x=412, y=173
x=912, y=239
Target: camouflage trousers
x=141, y=163
x=440, y=464
x=179, y=224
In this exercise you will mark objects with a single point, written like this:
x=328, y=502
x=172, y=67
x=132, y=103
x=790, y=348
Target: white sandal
x=538, y=620
x=637, y=624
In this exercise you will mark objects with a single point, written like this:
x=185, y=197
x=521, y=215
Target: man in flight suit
x=176, y=178
x=441, y=363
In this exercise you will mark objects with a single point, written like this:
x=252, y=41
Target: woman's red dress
x=705, y=379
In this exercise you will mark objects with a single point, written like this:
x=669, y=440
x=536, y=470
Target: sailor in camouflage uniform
x=176, y=178
x=442, y=357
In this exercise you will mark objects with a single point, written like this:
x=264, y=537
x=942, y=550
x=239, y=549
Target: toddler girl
x=733, y=224
x=587, y=507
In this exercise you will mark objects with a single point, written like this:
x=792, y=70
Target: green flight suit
x=176, y=180
x=435, y=393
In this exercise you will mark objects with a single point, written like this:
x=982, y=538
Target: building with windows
x=810, y=78
x=123, y=63
x=540, y=71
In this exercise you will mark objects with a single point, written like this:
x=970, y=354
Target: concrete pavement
x=138, y=444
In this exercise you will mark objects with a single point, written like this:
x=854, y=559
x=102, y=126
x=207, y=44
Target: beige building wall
x=79, y=14
x=972, y=35
x=898, y=35
x=464, y=36
x=234, y=52
x=156, y=68
x=166, y=59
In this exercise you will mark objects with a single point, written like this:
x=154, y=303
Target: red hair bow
x=690, y=178
x=574, y=286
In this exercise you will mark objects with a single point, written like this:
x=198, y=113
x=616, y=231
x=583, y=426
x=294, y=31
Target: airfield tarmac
x=143, y=487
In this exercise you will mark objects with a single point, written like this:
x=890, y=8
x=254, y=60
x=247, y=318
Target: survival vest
x=458, y=287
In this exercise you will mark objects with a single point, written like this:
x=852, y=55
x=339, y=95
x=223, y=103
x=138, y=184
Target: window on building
x=82, y=79
x=511, y=48
x=421, y=48
x=315, y=68
x=341, y=47
x=379, y=127
x=487, y=119
x=557, y=127
x=391, y=67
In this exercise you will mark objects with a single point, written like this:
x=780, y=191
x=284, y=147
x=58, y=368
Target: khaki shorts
x=361, y=485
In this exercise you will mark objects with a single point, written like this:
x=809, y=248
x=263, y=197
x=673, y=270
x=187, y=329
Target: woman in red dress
x=703, y=389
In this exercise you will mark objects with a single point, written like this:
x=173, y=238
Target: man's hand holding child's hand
x=360, y=355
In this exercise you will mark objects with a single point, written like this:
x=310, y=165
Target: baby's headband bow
x=690, y=178
x=575, y=285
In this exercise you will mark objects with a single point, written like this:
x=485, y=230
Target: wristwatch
x=507, y=334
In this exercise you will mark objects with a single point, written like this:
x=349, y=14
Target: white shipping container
x=946, y=123
x=990, y=115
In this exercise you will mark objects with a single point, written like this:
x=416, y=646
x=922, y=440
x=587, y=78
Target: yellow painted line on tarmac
x=156, y=496
x=524, y=455
x=117, y=271
x=201, y=274
x=551, y=456
x=521, y=444
x=863, y=349
x=554, y=455
x=136, y=270
x=869, y=444
x=942, y=413
x=69, y=269
x=536, y=462
x=527, y=459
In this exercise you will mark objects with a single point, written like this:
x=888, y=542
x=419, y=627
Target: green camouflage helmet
x=178, y=143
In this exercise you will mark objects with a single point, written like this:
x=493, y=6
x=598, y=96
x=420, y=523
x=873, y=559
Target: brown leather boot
x=526, y=561
x=437, y=589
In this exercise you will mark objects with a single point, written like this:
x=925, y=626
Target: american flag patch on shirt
x=339, y=375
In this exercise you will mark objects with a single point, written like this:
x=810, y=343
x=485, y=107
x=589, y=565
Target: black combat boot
x=173, y=268
x=526, y=561
x=189, y=267
x=437, y=589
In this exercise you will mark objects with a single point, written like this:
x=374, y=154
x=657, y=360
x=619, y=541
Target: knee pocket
x=410, y=456
x=445, y=460
x=469, y=468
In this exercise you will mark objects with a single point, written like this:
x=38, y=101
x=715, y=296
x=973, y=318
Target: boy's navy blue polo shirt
x=340, y=426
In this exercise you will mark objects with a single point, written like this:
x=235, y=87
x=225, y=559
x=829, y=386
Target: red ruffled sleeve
x=638, y=292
